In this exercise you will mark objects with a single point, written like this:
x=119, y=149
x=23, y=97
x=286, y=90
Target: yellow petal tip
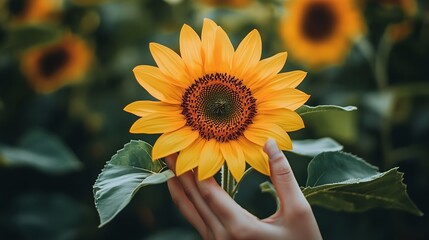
x=208, y=20
x=254, y=31
x=185, y=27
x=153, y=46
x=202, y=177
x=155, y=154
x=238, y=177
x=126, y=108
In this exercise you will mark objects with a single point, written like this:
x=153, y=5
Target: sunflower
x=50, y=67
x=33, y=10
x=320, y=32
x=217, y=104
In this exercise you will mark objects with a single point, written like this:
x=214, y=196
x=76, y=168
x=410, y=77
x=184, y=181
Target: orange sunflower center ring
x=319, y=22
x=219, y=106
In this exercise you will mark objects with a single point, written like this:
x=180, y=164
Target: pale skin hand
x=215, y=215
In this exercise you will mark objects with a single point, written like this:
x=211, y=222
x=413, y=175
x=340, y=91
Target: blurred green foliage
x=386, y=78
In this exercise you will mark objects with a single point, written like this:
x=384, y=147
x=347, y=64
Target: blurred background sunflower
x=66, y=74
x=49, y=67
x=27, y=11
x=320, y=33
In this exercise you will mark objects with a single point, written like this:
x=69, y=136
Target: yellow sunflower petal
x=247, y=55
x=224, y=51
x=156, y=122
x=285, y=118
x=254, y=155
x=188, y=157
x=208, y=35
x=260, y=132
x=144, y=108
x=286, y=80
x=171, y=142
x=290, y=98
x=265, y=70
x=211, y=160
x=170, y=64
x=234, y=157
x=151, y=79
x=190, y=50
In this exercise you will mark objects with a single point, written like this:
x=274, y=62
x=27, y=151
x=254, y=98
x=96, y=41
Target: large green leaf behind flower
x=341, y=181
x=128, y=170
x=312, y=147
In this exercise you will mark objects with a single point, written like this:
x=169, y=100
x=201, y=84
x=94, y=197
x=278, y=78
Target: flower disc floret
x=219, y=106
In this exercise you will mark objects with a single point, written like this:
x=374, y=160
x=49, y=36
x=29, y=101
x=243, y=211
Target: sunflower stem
x=224, y=177
x=231, y=184
x=237, y=185
x=227, y=181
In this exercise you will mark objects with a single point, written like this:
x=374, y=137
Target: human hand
x=215, y=215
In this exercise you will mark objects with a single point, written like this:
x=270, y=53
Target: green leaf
x=40, y=150
x=341, y=181
x=130, y=169
x=18, y=40
x=305, y=109
x=312, y=147
x=333, y=167
x=268, y=187
x=340, y=125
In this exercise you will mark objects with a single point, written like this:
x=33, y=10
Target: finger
x=284, y=181
x=182, y=202
x=237, y=222
x=171, y=161
x=226, y=209
x=190, y=190
x=185, y=206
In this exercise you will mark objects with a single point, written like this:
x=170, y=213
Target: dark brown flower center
x=53, y=60
x=319, y=21
x=218, y=106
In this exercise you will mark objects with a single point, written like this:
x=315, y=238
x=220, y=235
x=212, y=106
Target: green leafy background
x=54, y=146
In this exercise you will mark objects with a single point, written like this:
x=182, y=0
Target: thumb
x=284, y=181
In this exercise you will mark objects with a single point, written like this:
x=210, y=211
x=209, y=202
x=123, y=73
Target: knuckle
x=188, y=192
x=301, y=210
x=206, y=195
x=278, y=158
x=280, y=166
x=283, y=171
